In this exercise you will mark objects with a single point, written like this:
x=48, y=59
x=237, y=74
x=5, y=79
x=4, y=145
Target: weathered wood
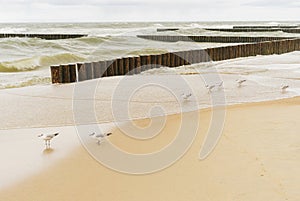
x=120, y=66
x=43, y=36
x=167, y=29
x=159, y=60
x=166, y=60
x=82, y=74
x=96, y=69
x=145, y=62
x=110, y=68
x=55, y=74
x=131, y=65
x=89, y=71
x=126, y=65
x=72, y=69
x=137, y=62
x=212, y=39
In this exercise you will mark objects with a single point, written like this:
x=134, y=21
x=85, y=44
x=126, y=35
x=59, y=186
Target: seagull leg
x=46, y=144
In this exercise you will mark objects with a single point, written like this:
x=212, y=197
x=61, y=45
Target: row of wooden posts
x=266, y=27
x=42, y=36
x=210, y=39
x=136, y=64
x=296, y=30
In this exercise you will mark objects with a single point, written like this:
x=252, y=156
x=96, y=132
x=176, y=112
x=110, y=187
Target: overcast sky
x=146, y=10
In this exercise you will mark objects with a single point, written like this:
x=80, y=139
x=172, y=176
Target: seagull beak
x=108, y=134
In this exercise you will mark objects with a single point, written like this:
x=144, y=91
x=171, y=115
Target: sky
x=146, y=10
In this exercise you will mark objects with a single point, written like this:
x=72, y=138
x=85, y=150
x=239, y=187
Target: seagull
x=186, y=96
x=209, y=87
x=284, y=87
x=220, y=84
x=99, y=137
x=240, y=82
x=47, y=138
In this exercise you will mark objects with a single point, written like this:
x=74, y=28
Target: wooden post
x=153, y=61
x=297, y=44
x=72, y=68
x=55, y=75
x=126, y=65
x=208, y=55
x=89, y=71
x=65, y=73
x=195, y=56
x=81, y=72
x=159, y=60
x=149, y=64
x=120, y=63
x=187, y=58
x=96, y=69
x=137, y=63
x=144, y=62
x=131, y=65
x=102, y=69
x=179, y=58
x=172, y=59
x=165, y=60
x=110, y=68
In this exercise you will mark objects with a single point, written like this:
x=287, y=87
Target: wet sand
x=257, y=158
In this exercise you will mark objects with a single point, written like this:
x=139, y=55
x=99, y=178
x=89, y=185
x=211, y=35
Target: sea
x=25, y=62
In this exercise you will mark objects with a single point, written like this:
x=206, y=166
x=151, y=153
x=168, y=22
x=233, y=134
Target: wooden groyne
x=211, y=39
x=266, y=27
x=166, y=29
x=136, y=64
x=255, y=30
x=43, y=36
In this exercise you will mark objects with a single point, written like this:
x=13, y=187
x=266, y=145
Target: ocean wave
x=26, y=83
x=29, y=64
x=147, y=51
x=92, y=40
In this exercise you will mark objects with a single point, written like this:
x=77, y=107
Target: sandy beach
x=257, y=158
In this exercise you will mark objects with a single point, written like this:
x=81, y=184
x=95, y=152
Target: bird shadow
x=48, y=151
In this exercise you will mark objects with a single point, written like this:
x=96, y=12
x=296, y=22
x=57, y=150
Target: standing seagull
x=209, y=87
x=100, y=137
x=284, y=88
x=220, y=85
x=186, y=96
x=47, y=138
x=240, y=82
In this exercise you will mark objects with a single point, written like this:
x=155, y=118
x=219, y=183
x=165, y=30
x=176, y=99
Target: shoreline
x=61, y=95
x=263, y=145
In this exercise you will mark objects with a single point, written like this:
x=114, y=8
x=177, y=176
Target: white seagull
x=186, y=96
x=284, y=88
x=47, y=138
x=220, y=85
x=99, y=137
x=240, y=82
x=209, y=87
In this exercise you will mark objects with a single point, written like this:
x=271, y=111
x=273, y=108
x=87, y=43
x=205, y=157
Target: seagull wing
x=99, y=136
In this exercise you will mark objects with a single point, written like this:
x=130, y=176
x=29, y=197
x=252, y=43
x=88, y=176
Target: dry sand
x=257, y=158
